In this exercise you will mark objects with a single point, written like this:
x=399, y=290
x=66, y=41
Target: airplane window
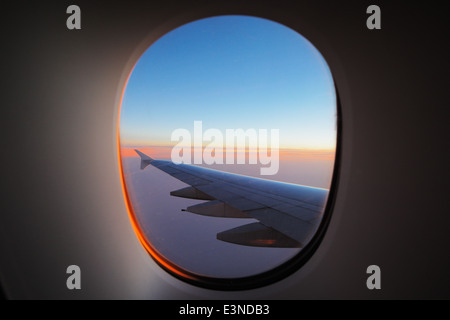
x=227, y=141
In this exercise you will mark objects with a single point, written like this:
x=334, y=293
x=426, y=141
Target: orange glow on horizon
x=164, y=153
x=157, y=152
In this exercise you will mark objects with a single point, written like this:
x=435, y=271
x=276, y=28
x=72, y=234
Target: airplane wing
x=287, y=214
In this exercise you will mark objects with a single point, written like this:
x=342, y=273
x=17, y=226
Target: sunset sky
x=231, y=72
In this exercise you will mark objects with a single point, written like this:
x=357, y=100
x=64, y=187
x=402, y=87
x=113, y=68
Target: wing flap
x=292, y=227
x=191, y=193
x=257, y=235
x=216, y=209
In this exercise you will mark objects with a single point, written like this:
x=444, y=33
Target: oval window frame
x=228, y=284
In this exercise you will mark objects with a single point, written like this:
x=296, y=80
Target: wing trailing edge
x=217, y=209
x=191, y=193
x=258, y=235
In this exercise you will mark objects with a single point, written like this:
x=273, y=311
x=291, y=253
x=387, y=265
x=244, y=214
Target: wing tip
x=142, y=155
x=145, y=159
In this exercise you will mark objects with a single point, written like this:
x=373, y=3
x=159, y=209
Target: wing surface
x=287, y=214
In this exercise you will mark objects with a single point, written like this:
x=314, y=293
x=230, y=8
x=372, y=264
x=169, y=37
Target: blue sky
x=231, y=72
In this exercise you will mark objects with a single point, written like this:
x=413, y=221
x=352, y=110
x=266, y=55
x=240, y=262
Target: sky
x=231, y=72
